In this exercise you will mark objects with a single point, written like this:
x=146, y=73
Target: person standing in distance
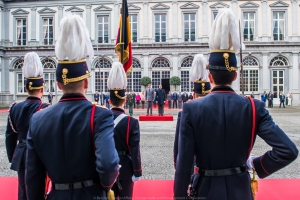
x=96, y=97
x=149, y=97
x=210, y=136
x=19, y=115
x=161, y=98
x=78, y=132
x=126, y=134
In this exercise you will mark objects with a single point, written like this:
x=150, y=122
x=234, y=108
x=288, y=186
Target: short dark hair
x=33, y=92
x=117, y=102
x=222, y=77
x=72, y=86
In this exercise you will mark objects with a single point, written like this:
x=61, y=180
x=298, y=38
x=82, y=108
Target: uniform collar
x=32, y=98
x=117, y=110
x=72, y=97
x=222, y=88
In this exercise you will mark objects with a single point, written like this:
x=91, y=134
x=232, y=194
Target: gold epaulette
x=102, y=107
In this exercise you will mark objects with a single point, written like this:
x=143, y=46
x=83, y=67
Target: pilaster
x=266, y=73
x=88, y=17
x=265, y=21
x=234, y=6
x=145, y=23
x=295, y=8
x=204, y=22
x=175, y=21
x=175, y=64
x=5, y=35
x=116, y=20
x=60, y=13
x=33, y=41
x=146, y=65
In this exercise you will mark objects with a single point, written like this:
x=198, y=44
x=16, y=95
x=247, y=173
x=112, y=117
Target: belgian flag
x=123, y=42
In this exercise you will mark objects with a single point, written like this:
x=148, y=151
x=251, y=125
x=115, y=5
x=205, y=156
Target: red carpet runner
x=156, y=118
x=269, y=189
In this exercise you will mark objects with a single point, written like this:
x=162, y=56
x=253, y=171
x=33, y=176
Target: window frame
x=42, y=17
x=286, y=27
x=103, y=13
x=196, y=24
x=160, y=12
x=16, y=18
x=104, y=71
x=130, y=76
x=137, y=26
x=247, y=10
x=248, y=68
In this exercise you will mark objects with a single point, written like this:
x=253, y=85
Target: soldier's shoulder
x=11, y=106
x=100, y=106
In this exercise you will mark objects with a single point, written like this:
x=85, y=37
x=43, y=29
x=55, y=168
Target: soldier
x=219, y=137
x=126, y=134
x=76, y=148
x=19, y=116
x=130, y=99
x=199, y=76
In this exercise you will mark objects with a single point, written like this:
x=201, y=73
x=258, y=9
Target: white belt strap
x=118, y=119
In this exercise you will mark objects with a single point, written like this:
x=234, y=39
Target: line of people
x=284, y=100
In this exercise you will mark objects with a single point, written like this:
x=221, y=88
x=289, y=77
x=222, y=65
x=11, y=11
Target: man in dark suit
x=19, y=116
x=185, y=97
x=50, y=98
x=281, y=99
x=96, y=97
x=174, y=98
x=220, y=146
x=76, y=148
x=149, y=97
x=161, y=98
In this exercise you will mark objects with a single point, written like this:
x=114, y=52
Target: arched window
x=279, y=61
x=133, y=79
x=49, y=66
x=186, y=64
x=21, y=80
x=102, y=68
x=161, y=73
x=250, y=72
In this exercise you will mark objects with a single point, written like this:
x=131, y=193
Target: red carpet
x=156, y=118
x=2, y=111
x=269, y=189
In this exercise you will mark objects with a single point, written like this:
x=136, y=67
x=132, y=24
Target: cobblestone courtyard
x=157, y=144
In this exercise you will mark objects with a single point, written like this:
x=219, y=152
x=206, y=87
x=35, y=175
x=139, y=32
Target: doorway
x=165, y=83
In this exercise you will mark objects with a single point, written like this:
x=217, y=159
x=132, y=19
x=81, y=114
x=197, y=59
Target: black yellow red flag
x=123, y=42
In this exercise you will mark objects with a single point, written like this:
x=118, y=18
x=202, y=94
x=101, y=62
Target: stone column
x=175, y=21
x=5, y=31
x=265, y=76
x=60, y=13
x=32, y=42
x=116, y=21
x=204, y=21
x=265, y=21
x=146, y=65
x=5, y=75
x=88, y=17
x=174, y=66
x=295, y=20
x=145, y=23
x=295, y=80
x=234, y=5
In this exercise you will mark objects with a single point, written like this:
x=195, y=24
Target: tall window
x=102, y=29
x=102, y=67
x=158, y=78
x=250, y=75
x=21, y=31
x=160, y=28
x=189, y=27
x=278, y=74
x=186, y=64
x=278, y=26
x=133, y=79
x=49, y=77
x=133, y=26
x=48, y=31
x=21, y=81
x=249, y=25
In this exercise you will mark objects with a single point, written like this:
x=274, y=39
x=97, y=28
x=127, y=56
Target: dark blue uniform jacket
x=217, y=130
x=130, y=163
x=160, y=96
x=17, y=128
x=60, y=144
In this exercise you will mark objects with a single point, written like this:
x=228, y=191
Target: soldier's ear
x=86, y=83
x=59, y=85
x=211, y=79
x=235, y=76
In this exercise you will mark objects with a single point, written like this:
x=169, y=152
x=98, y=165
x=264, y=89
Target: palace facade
x=166, y=34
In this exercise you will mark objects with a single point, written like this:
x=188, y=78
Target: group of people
x=101, y=98
x=49, y=142
x=284, y=100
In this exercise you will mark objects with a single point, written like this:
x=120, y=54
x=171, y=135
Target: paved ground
x=157, y=144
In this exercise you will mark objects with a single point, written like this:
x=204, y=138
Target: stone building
x=166, y=34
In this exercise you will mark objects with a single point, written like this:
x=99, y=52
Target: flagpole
x=123, y=31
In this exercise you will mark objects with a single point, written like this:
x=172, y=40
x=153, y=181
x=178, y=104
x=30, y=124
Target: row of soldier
x=215, y=132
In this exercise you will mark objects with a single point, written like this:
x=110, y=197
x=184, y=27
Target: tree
x=175, y=80
x=145, y=81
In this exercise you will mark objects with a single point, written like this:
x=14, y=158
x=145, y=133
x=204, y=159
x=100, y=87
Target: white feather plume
x=117, y=77
x=32, y=66
x=224, y=33
x=198, y=70
x=73, y=42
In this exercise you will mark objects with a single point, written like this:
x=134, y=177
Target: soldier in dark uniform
x=161, y=98
x=219, y=137
x=126, y=135
x=199, y=76
x=75, y=148
x=20, y=115
x=130, y=102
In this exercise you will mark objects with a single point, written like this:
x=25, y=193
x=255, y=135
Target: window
x=189, y=27
x=102, y=67
x=102, y=29
x=249, y=24
x=278, y=26
x=133, y=26
x=160, y=28
x=21, y=31
x=277, y=82
x=21, y=81
x=186, y=85
x=158, y=76
x=160, y=62
x=279, y=61
x=215, y=15
x=250, y=75
x=48, y=63
x=48, y=31
x=49, y=77
x=133, y=79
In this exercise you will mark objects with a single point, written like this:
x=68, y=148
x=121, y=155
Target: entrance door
x=165, y=83
x=278, y=82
